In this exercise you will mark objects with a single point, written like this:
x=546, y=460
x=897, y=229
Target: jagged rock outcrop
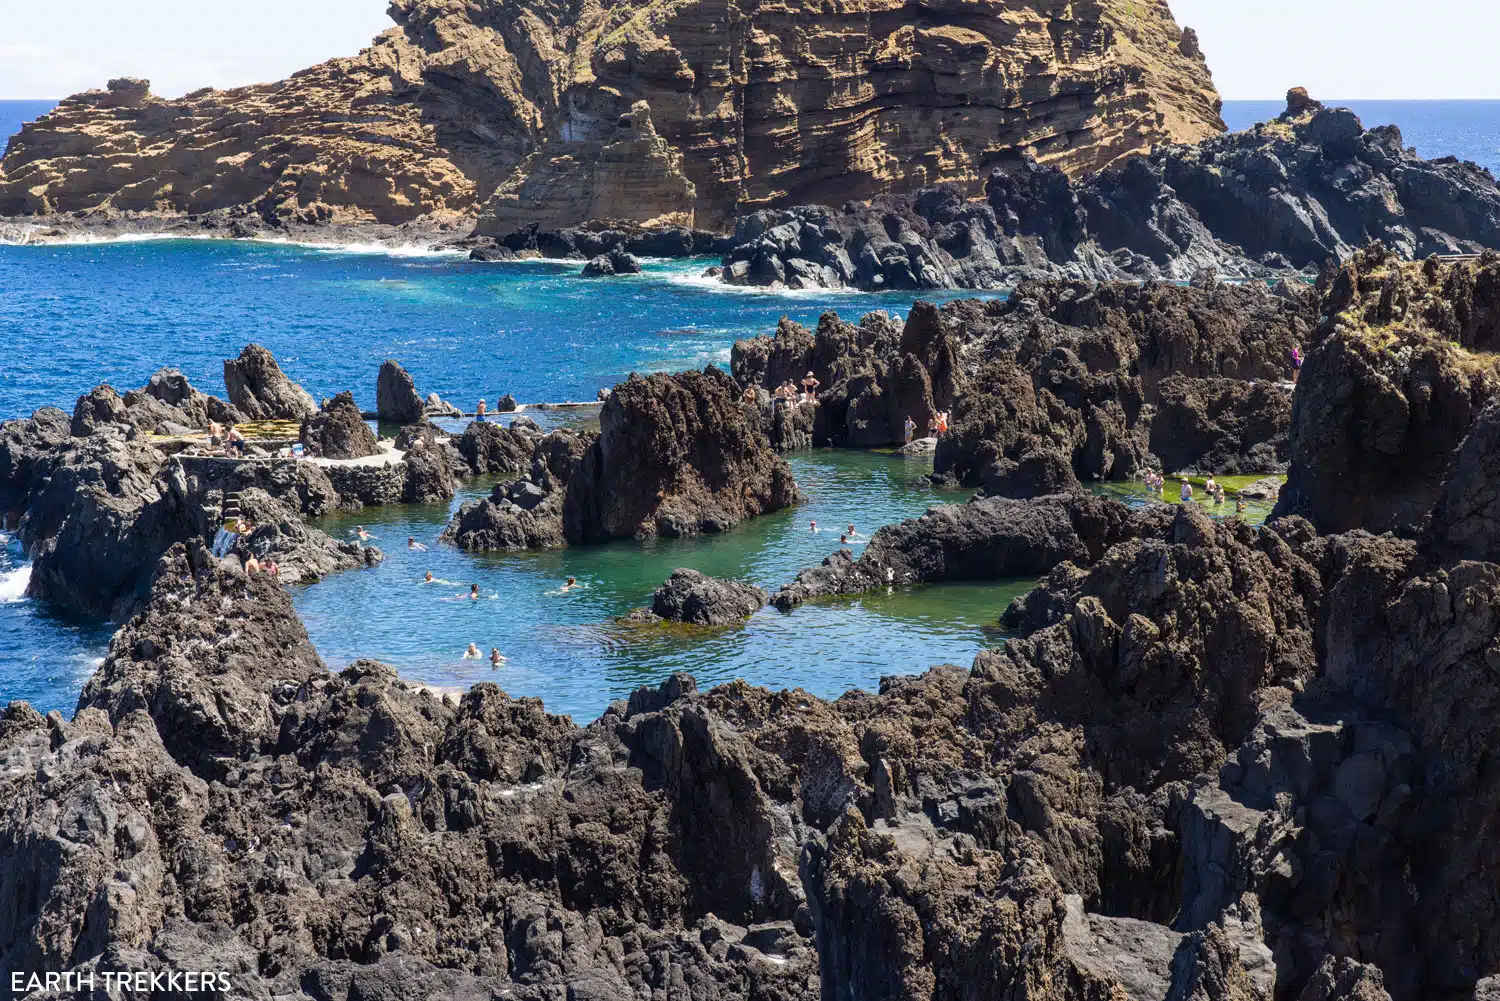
x=696, y=598
x=261, y=391
x=1402, y=368
x=1286, y=196
x=95, y=513
x=1059, y=383
x=28, y=449
x=676, y=455
x=396, y=396
x=557, y=114
x=525, y=512
x=339, y=431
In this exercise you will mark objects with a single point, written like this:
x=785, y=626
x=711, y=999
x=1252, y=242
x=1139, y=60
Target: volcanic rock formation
x=1404, y=363
x=261, y=391
x=559, y=113
x=396, y=396
x=676, y=455
x=696, y=598
x=1060, y=382
x=338, y=431
x=1288, y=195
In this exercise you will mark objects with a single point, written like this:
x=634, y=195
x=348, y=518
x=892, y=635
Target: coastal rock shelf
x=529, y=112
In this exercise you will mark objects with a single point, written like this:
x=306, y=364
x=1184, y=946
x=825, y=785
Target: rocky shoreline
x=1212, y=762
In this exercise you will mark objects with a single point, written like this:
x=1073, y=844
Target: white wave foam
x=323, y=246
x=13, y=584
x=717, y=287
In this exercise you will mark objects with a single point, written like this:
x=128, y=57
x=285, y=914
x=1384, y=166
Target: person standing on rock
x=479, y=412
x=911, y=428
x=810, y=386
x=1296, y=363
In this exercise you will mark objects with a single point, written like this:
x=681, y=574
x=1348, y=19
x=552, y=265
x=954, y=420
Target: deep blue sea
x=75, y=315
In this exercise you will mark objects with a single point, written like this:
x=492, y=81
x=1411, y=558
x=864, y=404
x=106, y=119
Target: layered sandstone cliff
x=527, y=111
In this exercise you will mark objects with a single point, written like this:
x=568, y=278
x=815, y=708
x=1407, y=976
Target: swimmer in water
x=813, y=527
x=414, y=545
x=473, y=592
x=361, y=534
x=496, y=658
x=429, y=579
x=472, y=653
x=852, y=533
x=572, y=583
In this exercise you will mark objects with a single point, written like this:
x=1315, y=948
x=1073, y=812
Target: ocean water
x=76, y=315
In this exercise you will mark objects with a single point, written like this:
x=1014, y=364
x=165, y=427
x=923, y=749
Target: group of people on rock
x=788, y=394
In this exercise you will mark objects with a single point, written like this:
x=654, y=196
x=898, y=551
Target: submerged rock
x=261, y=391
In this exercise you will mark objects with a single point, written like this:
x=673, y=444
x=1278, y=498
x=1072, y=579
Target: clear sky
x=1256, y=48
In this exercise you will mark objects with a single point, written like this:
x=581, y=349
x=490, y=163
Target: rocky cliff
x=534, y=111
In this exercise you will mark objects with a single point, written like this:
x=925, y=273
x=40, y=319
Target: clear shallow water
x=567, y=647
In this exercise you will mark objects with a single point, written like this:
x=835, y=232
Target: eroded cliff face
x=548, y=112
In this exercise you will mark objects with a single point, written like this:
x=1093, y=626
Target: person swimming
x=428, y=578
x=472, y=653
x=414, y=545
x=361, y=534
x=473, y=592
x=570, y=585
x=1240, y=506
x=496, y=657
x=852, y=533
x=813, y=527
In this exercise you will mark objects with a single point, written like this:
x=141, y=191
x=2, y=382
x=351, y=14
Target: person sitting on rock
x=810, y=386
x=237, y=443
x=750, y=396
x=272, y=568
x=252, y=565
x=472, y=653
x=911, y=429
x=496, y=658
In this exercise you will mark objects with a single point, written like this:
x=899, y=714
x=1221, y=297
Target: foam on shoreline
x=13, y=584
